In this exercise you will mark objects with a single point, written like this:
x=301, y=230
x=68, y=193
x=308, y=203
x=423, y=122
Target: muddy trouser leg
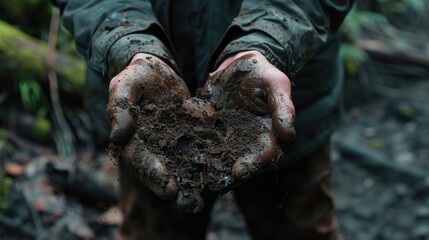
x=148, y=217
x=292, y=203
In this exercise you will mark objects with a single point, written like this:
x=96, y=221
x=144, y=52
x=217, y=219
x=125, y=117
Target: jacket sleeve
x=110, y=32
x=288, y=32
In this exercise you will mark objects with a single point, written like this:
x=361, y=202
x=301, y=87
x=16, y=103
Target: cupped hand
x=250, y=81
x=146, y=80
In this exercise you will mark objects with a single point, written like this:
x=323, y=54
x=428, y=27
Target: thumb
x=281, y=106
x=122, y=96
x=121, y=121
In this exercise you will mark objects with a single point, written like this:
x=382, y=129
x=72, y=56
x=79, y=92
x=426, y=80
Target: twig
x=390, y=92
x=404, y=69
x=377, y=161
x=66, y=137
x=81, y=126
x=84, y=182
x=39, y=231
x=387, y=52
x=35, y=216
x=201, y=180
x=25, y=144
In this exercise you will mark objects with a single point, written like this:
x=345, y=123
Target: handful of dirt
x=200, y=144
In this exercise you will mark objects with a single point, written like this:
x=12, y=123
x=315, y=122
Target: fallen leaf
x=13, y=169
x=78, y=226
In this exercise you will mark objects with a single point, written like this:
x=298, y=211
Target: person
x=286, y=56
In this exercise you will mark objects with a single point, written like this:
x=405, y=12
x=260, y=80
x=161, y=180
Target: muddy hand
x=146, y=80
x=250, y=81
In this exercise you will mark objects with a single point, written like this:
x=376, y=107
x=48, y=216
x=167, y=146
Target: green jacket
x=300, y=37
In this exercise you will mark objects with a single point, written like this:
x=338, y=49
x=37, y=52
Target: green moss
x=5, y=183
x=41, y=128
x=30, y=53
x=3, y=133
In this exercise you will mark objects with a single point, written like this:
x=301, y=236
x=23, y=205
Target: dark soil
x=200, y=150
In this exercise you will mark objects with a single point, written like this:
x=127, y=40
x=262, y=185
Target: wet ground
x=381, y=158
x=381, y=173
x=381, y=161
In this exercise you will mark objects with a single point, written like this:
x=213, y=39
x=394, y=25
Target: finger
x=150, y=169
x=158, y=180
x=189, y=201
x=121, y=122
x=123, y=94
x=144, y=81
x=282, y=109
x=249, y=164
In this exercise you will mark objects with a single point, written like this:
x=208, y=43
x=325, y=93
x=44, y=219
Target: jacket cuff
x=116, y=26
x=124, y=49
x=260, y=42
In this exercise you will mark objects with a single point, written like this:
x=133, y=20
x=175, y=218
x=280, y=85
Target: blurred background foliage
x=25, y=97
x=384, y=14
x=27, y=88
x=26, y=92
x=31, y=16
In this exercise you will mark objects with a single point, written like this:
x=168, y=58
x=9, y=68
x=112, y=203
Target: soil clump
x=200, y=146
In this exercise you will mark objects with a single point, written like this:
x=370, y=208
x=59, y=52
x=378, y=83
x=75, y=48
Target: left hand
x=146, y=80
x=262, y=89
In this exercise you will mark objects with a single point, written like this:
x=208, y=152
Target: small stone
x=358, y=190
x=225, y=181
x=421, y=230
x=410, y=127
x=190, y=202
x=150, y=108
x=198, y=129
x=405, y=158
x=422, y=211
x=368, y=183
x=370, y=132
x=398, y=138
x=401, y=189
x=365, y=211
x=199, y=159
x=216, y=163
x=162, y=143
x=393, y=233
x=341, y=204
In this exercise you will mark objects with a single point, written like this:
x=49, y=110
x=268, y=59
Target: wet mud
x=198, y=143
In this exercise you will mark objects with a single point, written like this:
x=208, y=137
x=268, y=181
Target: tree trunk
x=33, y=55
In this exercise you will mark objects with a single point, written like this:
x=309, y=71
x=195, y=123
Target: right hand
x=251, y=82
x=146, y=80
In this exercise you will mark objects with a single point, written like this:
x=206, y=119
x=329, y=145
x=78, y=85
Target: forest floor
x=381, y=161
x=381, y=171
x=381, y=164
